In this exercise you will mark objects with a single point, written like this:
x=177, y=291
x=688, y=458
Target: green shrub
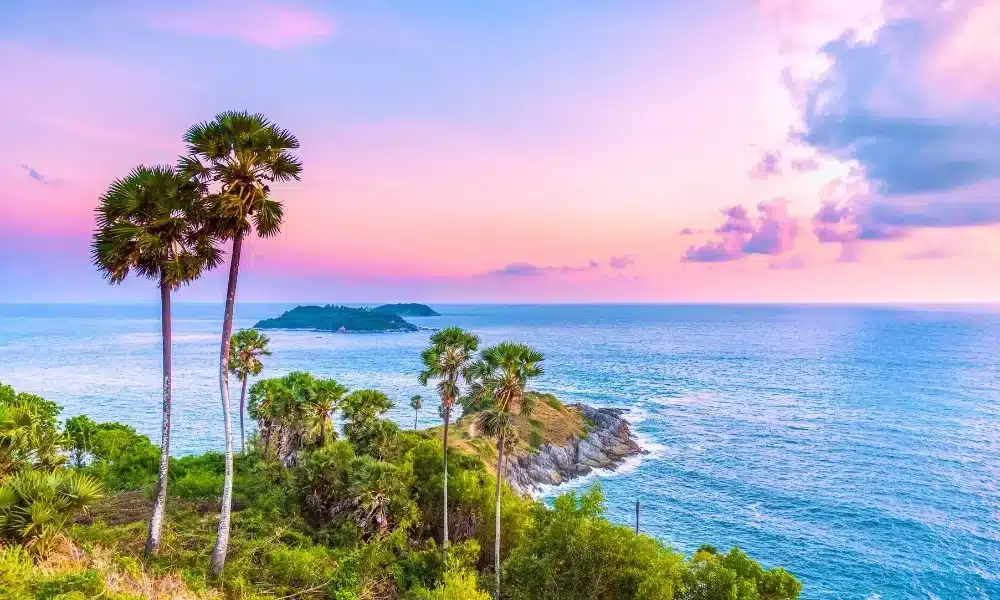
x=35, y=505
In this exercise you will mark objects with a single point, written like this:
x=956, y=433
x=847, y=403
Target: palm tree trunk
x=243, y=404
x=496, y=523
x=416, y=413
x=222, y=540
x=447, y=419
x=160, y=500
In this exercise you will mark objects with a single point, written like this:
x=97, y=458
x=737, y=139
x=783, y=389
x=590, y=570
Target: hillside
x=337, y=318
x=408, y=310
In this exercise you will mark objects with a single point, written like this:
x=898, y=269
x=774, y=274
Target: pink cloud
x=772, y=233
x=279, y=27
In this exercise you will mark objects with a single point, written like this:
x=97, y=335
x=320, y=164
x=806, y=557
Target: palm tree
x=152, y=223
x=501, y=374
x=446, y=359
x=268, y=398
x=235, y=157
x=326, y=397
x=416, y=403
x=246, y=349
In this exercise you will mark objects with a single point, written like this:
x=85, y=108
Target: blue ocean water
x=859, y=447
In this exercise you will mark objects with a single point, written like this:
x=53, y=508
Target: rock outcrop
x=606, y=446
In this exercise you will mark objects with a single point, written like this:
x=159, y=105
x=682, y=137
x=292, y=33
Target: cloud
x=272, y=25
x=768, y=165
x=876, y=105
x=903, y=95
x=520, y=269
x=687, y=231
x=523, y=269
x=34, y=174
x=871, y=218
x=804, y=165
x=621, y=262
x=773, y=233
x=928, y=254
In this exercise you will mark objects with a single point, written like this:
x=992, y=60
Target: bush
x=35, y=506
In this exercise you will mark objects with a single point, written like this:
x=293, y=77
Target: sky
x=558, y=151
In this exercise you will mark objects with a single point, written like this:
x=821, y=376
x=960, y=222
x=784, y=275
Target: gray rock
x=606, y=446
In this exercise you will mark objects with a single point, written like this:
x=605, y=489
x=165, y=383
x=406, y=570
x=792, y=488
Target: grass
x=552, y=422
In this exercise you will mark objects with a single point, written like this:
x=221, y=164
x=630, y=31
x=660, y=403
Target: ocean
x=858, y=447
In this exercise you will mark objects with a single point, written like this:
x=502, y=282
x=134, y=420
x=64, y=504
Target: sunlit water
x=858, y=447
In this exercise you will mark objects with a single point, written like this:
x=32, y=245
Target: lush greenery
x=308, y=509
x=335, y=318
x=408, y=310
x=357, y=515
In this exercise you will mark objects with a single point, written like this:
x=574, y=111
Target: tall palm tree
x=152, y=223
x=235, y=158
x=447, y=359
x=416, y=403
x=502, y=374
x=326, y=397
x=245, y=352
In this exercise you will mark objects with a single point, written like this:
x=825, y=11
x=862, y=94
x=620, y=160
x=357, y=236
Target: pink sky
x=576, y=152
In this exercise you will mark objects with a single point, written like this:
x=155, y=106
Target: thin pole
x=637, y=517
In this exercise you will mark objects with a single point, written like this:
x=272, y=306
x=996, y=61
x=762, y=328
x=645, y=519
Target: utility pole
x=637, y=517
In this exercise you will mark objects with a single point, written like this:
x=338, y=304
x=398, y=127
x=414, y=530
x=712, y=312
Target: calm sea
x=857, y=446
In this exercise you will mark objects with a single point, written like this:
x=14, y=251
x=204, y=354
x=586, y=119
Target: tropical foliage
x=234, y=159
x=247, y=348
x=155, y=223
x=37, y=495
x=499, y=381
x=346, y=521
x=447, y=359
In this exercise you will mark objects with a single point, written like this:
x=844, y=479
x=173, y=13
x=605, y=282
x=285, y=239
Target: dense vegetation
x=356, y=514
x=333, y=318
x=408, y=310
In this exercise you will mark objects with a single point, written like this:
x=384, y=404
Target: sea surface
x=859, y=447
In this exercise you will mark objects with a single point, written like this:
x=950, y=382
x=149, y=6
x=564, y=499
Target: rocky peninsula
x=558, y=443
x=607, y=444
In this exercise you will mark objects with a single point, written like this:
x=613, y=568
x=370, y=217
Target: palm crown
x=236, y=156
x=447, y=359
x=500, y=377
x=248, y=346
x=152, y=222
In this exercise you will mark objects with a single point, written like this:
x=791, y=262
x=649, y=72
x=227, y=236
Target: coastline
x=609, y=446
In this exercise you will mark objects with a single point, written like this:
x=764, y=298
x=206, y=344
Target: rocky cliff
x=606, y=445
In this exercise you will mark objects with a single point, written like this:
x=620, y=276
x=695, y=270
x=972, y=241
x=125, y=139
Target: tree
x=416, y=403
x=501, y=375
x=235, y=158
x=326, y=397
x=153, y=223
x=446, y=359
x=362, y=426
x=245, y=352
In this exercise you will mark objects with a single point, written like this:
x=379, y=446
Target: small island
x=408, y=310
x=342, y=319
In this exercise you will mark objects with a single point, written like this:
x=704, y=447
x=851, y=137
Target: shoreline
x=609, y=447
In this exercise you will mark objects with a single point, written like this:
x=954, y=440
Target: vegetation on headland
x=411, y=309
x=337, y=318
x=355, y=516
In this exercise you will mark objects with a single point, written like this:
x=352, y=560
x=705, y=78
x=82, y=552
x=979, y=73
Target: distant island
x=408, y=310
x=339, y=318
